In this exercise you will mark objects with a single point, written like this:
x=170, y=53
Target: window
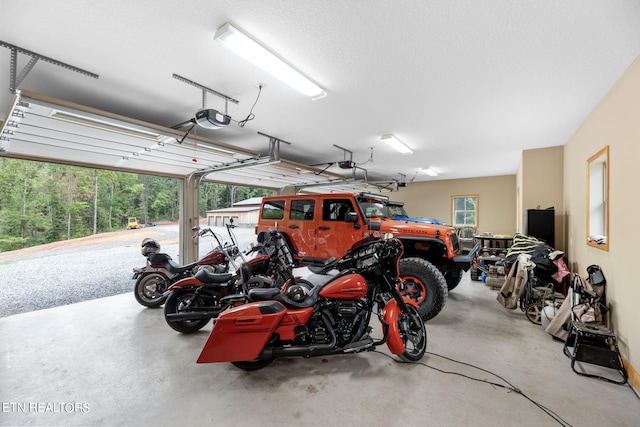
x=597, y=199
x=335, y=209
x=373, y=207
x=302, y=210
x=396, y=210
x=373, y=210
x=273, y=209
x=465, y=211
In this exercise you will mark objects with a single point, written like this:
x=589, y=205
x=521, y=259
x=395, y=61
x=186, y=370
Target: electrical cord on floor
x=509, y=386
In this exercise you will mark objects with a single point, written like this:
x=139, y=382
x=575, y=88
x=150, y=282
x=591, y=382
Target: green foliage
x=43, y=202
x=465, y=210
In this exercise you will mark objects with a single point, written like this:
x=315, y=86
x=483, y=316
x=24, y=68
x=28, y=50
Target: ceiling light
x=104, y=125
x=430, y=172
x=396, y=144
x=260, y=56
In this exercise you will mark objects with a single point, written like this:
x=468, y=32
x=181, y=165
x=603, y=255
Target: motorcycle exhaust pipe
x=198, y=315
x=317, y=350
x=307, y=350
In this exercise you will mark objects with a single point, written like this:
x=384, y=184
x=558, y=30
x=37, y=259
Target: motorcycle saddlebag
x=241, y=333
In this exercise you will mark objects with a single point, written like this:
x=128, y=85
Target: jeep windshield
x=396, y=210
x=373, y=208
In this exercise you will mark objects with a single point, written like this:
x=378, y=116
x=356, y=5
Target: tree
x=47, y=202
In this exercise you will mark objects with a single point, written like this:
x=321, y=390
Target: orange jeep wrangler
x=321, y=226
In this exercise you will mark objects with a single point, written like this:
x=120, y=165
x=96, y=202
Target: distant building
x=244, y=214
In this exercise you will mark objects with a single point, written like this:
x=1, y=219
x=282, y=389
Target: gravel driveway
x=37, y=279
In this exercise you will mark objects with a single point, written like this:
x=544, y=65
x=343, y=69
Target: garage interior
x=504, y=101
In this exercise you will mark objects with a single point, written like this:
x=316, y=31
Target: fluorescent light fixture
x=260, y=56
x=104, y=125
x=430, y=172
x=396, y=144
x=203, y=146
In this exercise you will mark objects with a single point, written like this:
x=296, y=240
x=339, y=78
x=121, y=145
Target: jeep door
x=301, y=227
x=334, y=234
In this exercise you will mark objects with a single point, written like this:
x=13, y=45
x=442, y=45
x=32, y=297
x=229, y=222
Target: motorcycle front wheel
x=413, y=334
x=181, y=301
x=149, y=289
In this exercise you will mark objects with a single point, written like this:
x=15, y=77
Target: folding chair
x=593, y=344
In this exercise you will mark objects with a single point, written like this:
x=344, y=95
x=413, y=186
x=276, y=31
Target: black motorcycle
x=161, y=271
x=193, y=301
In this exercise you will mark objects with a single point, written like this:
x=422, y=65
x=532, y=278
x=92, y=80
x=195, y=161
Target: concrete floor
x=112, y=362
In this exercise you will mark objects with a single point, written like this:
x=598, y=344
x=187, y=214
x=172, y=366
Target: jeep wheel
x=424, y=284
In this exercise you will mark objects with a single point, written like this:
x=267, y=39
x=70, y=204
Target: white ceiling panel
x=466, y=84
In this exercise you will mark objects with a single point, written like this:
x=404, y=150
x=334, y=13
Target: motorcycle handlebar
x=252, y=249
x=202, y=232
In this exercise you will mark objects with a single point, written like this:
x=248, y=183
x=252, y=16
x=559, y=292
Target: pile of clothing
x=525, y=254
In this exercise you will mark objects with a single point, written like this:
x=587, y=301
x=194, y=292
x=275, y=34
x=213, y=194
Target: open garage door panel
x=284, y=173
x=42, y=128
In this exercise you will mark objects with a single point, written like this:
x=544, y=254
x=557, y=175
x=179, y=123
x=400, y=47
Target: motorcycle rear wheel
x=253, y=365
x=176, y=303
x=413, y=334
x=149, y=289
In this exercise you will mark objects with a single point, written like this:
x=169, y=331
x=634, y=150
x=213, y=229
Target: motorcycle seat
x=170, y=265
x=205, y=277
x=176, y=268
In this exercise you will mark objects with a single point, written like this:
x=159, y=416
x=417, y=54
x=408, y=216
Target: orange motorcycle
x=331, y=318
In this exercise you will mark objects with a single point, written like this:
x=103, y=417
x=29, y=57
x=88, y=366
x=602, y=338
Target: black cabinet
x=541, y=225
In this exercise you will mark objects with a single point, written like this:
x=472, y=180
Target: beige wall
x=614, y=122
x=496, y=195
x=541, y=186
x=519, y=208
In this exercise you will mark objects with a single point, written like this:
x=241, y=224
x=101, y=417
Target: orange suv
x=320, y=226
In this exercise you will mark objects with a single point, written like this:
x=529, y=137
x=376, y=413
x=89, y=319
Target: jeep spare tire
x=423, y=284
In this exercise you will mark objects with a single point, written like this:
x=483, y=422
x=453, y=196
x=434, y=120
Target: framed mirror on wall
x=598, y=199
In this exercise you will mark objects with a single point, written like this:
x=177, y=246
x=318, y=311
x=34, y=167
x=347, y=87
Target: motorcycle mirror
x=195, y=228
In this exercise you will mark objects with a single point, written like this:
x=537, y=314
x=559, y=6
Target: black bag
x=596, y=277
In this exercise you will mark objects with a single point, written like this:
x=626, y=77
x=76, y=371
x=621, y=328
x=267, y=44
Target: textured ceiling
x=466, y=84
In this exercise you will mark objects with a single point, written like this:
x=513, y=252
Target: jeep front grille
x=455, y=242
